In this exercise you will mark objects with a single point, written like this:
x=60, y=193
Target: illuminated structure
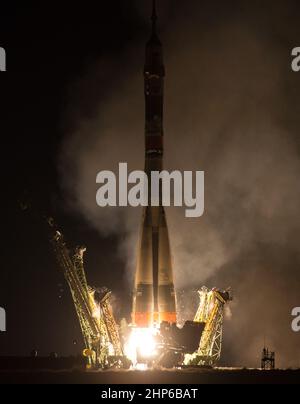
x=211, y=313
x=154, y=296
x=99, y=329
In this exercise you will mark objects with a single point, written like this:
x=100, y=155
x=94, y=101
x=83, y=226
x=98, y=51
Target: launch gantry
x=99, y=330
x=110, y=323
x=211, y=313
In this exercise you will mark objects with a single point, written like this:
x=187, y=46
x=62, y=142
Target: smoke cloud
x=229, y=110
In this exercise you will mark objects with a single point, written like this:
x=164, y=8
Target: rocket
x=154, y=298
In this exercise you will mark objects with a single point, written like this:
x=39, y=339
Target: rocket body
x=154, y=295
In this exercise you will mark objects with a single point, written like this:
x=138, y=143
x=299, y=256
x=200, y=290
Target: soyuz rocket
x=154, y=298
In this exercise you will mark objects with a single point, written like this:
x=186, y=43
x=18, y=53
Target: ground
x=186, y=376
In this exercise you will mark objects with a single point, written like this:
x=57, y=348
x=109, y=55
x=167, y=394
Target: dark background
x=48, y=48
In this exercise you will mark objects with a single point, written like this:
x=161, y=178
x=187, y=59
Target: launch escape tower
x=154, y=295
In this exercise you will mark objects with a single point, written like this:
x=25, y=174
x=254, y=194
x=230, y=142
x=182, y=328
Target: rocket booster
x=154, y=295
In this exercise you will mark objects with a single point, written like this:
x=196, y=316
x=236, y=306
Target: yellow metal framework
x=211, y=313
x=99, y=329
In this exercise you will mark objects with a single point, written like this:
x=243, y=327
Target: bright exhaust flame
x=141, y=344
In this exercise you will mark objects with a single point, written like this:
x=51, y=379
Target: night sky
x=69, y=64
x=48, y=47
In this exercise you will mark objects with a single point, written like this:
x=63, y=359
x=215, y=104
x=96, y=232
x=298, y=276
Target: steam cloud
x=228, y=111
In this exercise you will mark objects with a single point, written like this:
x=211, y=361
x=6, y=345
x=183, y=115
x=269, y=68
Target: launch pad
x=163, y=345
x=153, y=339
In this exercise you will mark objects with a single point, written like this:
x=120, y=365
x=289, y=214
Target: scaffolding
x=267, y=360
x=99, y=329
x=211, y=313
